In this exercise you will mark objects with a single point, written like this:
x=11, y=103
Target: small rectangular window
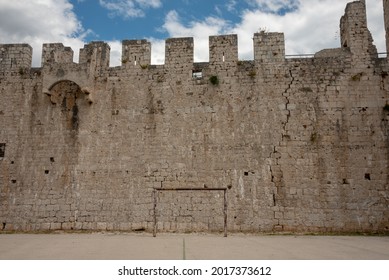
x=2, y=150
x=197, y=74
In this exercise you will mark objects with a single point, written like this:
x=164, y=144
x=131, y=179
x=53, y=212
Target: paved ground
x=111, y=246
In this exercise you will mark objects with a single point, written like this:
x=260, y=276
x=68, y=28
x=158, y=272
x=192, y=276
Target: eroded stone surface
x=301, y=144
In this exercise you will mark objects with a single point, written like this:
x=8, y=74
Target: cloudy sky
x=309, y=25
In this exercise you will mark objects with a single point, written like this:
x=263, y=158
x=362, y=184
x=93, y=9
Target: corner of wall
x=14, y=57
x=354, y=33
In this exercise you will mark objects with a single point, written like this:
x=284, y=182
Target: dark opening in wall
x=2, y=150
x=13, y=181
x=197, y=74
x=367, y=176
x=246, y=174
x=52, y=159
x=47, y=171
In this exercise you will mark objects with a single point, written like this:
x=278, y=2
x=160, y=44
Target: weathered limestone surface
x=301, y=144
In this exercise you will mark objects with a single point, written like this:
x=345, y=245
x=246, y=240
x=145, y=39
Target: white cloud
x=157, y=54
x=40, y=21
x=375, y=22
x=115, y=53
x=129, y=8
x=150, y=3
x=275, y=6
x=27, y=22
x=311, y=26
x=200, y=30
x=231, y=6
x=157, y=51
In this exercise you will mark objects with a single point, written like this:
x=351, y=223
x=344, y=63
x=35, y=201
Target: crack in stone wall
x=301, y=143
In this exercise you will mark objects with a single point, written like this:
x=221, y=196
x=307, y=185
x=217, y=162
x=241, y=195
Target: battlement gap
x=268, y=47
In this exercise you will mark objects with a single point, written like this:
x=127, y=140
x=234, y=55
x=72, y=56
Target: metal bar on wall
x=155, y=213
x=225, y=213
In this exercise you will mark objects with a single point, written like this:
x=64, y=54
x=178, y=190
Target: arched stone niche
x=68, y=96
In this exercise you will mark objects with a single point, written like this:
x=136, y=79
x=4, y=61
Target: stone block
x=101, y=226
x=55, y=226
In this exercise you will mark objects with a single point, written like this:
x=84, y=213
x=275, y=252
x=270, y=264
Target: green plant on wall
x=22, y=71
x=214, y=80
x=314, y=137
x=252, y=73
x=144, y=66
x=357, y=77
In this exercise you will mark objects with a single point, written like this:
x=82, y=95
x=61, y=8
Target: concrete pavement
x=139, y=246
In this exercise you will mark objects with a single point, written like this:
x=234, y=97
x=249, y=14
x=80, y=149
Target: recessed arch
x=63, y=81
x=66, y=95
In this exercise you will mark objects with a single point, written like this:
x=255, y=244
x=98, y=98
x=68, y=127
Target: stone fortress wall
x=301, y=144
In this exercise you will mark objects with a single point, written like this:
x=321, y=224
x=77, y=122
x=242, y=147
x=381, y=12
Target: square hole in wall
x=2, y=150
x=197, y=74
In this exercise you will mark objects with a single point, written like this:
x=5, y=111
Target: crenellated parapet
x=223, y=50
x=56, y=53
x=179, y=55
x=58, y=65
x=15, y=57
x=269, y=47
x=136, y=53
x=354, y=32
x=95, y=54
